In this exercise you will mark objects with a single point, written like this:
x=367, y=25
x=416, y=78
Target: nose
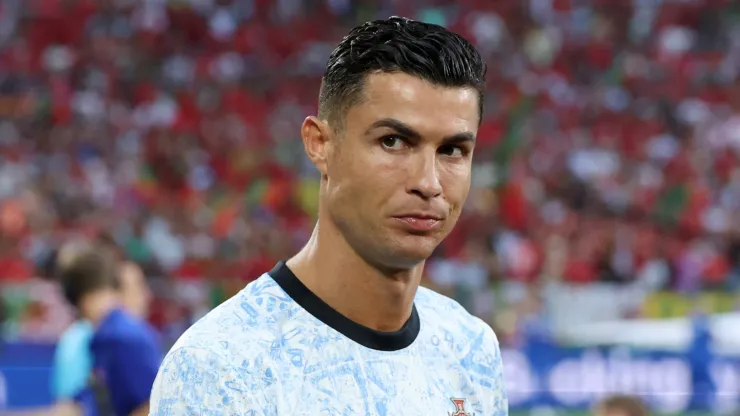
x=424, y=176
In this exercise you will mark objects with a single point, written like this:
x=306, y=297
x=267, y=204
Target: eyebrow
x=405, y=130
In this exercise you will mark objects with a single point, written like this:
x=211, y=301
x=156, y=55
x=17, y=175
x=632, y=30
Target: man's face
x=398, y=172
x=134, y=290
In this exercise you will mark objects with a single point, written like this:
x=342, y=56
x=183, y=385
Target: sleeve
x=195, y=381
x=499, y=397
x=72, y=364
x=132, y=369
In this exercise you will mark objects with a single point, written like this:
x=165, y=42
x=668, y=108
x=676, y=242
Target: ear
x=316, y=135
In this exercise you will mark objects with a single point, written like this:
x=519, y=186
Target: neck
x=333, y=271
x=96, y=306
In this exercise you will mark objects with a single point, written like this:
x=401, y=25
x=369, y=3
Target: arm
x=71, y=371
x=72, y=362
x=131, y=371
x=196, y=381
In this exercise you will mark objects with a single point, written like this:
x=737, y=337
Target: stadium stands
x=608, y=158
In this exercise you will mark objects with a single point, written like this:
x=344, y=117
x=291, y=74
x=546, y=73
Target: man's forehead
x=417, y=102
x=399, y=86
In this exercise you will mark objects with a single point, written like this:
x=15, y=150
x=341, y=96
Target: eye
x=453, y=151
x=393, y=142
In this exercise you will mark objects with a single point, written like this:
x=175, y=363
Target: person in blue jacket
x=124, y=348
x=72, y=385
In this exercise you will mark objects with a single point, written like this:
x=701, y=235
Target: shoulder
x=77, y=335
x=223, y=361
x=72, y=360
x=246, y=320
x=74, y=343
x=448, y=316
x=194, y=380
x=470, y=340
x=125, y=330
x=184, y=366
x=242, y=328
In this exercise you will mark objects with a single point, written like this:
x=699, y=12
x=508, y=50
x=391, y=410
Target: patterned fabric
x=261, y=353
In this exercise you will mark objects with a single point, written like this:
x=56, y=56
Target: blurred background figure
x=621, y=406
x=73, y=387
x=125, y=350
x=603, y=212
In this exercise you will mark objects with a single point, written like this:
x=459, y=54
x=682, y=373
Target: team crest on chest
x=459, y=408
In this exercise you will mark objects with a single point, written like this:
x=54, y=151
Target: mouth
x=419, y=222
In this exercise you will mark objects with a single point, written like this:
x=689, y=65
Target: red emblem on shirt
x=460, y=408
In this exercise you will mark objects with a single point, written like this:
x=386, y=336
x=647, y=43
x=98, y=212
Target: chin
x=411, y=252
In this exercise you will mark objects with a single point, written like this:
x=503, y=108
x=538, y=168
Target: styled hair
x=93, y=270
x=398, y=45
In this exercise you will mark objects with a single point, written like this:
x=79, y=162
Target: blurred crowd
x=609, y=151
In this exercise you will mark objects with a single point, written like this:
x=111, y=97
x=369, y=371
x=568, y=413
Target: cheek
x=456, y=183
x=367, y=176
x=348, y=190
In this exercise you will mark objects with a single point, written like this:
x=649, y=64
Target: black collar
x=370, y=338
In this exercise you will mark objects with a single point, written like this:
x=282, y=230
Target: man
x=123, y=347
x=343, y=328
x=621, y=405
x=73, y=362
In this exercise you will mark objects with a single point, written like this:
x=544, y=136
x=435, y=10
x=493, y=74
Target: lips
x=419, y=222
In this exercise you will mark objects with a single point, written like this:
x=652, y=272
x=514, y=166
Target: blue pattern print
x=262, y=354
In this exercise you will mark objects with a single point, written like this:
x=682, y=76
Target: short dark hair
x=397, y=44
x=93, y=270
x=630, y=405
